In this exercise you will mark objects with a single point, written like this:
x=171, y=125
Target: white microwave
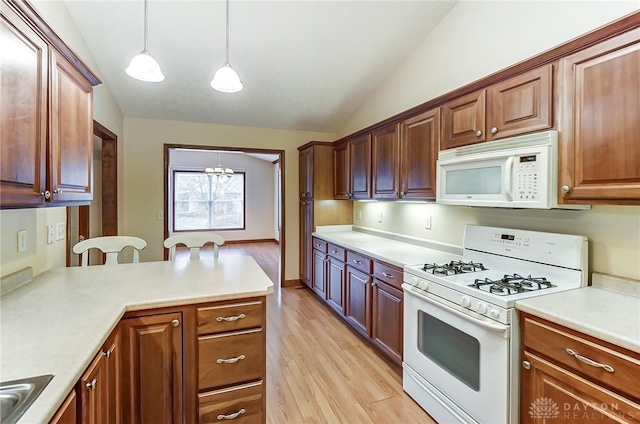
x=516, y=172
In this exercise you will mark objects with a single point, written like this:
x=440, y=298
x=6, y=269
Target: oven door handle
x=500, y=329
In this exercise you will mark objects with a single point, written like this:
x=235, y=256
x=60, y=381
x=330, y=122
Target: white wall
x=143, y=170
x=39, y=255
x=474, y=40
x=259, y=188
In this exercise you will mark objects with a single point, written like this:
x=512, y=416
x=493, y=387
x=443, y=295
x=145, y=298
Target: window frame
x=174, y=172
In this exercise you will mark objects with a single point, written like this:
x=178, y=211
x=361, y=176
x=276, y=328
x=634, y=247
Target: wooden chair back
x=194, y=241
x=111, y=246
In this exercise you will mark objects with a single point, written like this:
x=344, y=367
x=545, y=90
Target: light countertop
x=394, y=252
x=57, y=323
x=607, y=310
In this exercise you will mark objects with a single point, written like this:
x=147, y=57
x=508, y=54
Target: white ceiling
x=305, y=65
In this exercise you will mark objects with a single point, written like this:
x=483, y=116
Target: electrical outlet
x=359, y=215
x=427, y=223
x=51, y=234
x=60, y=231
x=22, y=241
x=160, y=214
x=380, y=217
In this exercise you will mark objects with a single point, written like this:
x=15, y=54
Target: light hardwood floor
x=319, y=370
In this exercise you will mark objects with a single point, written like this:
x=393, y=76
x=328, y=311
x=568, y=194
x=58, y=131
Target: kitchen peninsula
x=59, y=322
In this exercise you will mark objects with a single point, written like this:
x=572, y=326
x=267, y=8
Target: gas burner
x=512, y=284
x=453, y=267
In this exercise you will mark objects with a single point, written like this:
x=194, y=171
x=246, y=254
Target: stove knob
x=494, y=313
x=414, y=281
x=423, y=285
x=482, y=308
x=465, y=302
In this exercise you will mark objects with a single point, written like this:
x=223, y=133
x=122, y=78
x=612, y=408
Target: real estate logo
x=544, y=408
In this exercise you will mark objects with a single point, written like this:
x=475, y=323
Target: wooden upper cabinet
x=464, y=120
x=600, y=152
x=385, y=161
x=520, y=104
x=341, y=172
x=306, y=173
x=419, y=145
x=23, y=111
x=71, y=142
x=360, y=161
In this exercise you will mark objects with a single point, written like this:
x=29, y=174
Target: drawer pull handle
x=318, y=245
x=229, y=319
x=355, y=261
x=92, y=385
x=231, y=360
x=588, y=361
x=232, y=416
x=386, y=274
x=335, y=252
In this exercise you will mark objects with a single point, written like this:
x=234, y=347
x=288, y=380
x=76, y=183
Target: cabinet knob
x=478, y=133
x=565, y=189
x=402, y=193
x=374, y=284
x=494, y=130
x=92, y=384
x=526, y=365
x=46, y=194
x=175, y=323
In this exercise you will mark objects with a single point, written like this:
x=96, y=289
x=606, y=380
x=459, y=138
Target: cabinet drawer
x=387, y=273
x=360, y=262
x=553, y=341
x=227, y=359
x=320, y=245
x=231, y=317
x=337, y=252
x=221, y=405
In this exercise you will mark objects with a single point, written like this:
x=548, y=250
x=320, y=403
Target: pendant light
x=226, y=78
x=144, y=67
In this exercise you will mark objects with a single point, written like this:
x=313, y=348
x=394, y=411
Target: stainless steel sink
x=16, y=396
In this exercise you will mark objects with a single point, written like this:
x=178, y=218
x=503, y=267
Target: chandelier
x=219, y=171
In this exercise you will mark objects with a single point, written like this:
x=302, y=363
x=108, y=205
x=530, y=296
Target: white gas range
x=461, y=335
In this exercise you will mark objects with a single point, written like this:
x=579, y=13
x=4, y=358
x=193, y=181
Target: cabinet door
x=386, y=328
x=554, y=394
x=341, y=181
x=68, y=411
x=360, y=161
x=319, y=273
x=419, y=144
x=463, y=120
x=386, y=162
x=306, y=173
x=71, y=138
x=23, y=112
x=113, y=354
x=94, y=392
x=306, y=249
x=152, y=370
x=600, y=152
x=358, y=308
x=520, y=104
x=335, y=284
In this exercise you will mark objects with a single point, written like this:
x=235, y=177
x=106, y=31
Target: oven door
x=462, y=355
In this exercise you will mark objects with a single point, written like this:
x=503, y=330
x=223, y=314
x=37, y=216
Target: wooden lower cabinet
x=94, y=392
x=152, y=390
x=112, y=351
x=320, y=273
x=68, y=411
x=358, y=308
x=386, y=319
x=569, y=377
x=336, y=284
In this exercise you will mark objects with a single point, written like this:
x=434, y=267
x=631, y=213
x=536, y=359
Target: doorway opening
x=245, y=209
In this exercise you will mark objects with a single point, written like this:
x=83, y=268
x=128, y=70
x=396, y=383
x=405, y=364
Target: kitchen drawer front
x=387, y=273
x=222, y=405
x=337, y=252
x=359, y=262
x=553, y=341
x=231, y=358
x=230, y=317
x=320, y=245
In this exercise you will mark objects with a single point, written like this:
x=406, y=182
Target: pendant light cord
x=146, y=31
x=228, y=63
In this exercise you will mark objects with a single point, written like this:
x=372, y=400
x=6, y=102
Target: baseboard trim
x=292, y=283
x=251, y=241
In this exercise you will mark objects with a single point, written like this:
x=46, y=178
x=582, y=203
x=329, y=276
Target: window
x=203, y=202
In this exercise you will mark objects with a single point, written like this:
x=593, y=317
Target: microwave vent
x=536, y=139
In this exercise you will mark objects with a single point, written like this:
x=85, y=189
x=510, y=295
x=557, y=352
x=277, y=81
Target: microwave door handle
x=508, y=178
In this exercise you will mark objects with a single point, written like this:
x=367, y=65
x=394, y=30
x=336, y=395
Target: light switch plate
x=427, y=223
x=22, y=241
x=60, y=231
x=51, y=234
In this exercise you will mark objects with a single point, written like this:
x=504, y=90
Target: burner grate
x=453, y=267
x=512, y=284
